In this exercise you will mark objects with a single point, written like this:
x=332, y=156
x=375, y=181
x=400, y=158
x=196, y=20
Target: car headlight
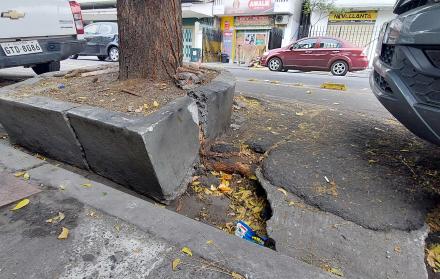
x=392, y=33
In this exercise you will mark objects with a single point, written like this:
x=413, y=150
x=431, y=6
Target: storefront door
x=187, y=43
x=250, y=45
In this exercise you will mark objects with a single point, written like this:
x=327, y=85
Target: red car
x=317, y=54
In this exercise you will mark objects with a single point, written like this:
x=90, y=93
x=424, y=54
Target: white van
x=39, y=34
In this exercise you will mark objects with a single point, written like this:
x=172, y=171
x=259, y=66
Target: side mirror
x=294, y=46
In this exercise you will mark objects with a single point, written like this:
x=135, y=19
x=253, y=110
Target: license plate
x=21, y=48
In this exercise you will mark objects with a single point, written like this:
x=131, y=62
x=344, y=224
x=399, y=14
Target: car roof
x=344, y=42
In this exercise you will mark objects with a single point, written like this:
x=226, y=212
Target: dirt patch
x=135, y=96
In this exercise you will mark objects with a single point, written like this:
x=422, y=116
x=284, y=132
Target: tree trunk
x=150, y=39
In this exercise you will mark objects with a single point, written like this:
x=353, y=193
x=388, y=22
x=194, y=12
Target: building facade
x=250, y=27
x=359, y=22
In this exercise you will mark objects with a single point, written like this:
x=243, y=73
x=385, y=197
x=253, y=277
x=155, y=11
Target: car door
x=106, y=36
x=328, y=49
x=302, y=53
x=92, y=38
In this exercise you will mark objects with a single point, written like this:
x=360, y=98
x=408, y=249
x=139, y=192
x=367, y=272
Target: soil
x=135, y=96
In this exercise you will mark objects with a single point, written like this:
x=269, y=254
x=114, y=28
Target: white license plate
x=21, y=48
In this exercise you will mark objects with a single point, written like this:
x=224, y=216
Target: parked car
x=102, y=41
x=406, y=76
x=39, y=36
x=317, y=54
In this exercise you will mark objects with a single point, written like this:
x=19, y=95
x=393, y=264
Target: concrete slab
x=238, y=255
x=15, y=160
x=152, y=155
x=306, y=233
x=98, y=246
x=371, y=196
x=39, y=124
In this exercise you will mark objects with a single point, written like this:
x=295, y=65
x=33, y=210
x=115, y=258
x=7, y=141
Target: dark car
x=317, y=54
x=406, y=76
x=102, y=41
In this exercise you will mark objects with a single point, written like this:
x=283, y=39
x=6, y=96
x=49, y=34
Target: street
x=350, y=189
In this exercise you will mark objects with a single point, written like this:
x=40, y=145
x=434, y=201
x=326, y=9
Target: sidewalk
x=115, y=234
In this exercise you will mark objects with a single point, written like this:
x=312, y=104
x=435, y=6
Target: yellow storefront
x=356, y=27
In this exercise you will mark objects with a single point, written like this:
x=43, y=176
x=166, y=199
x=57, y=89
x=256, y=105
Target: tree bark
x=150, y=39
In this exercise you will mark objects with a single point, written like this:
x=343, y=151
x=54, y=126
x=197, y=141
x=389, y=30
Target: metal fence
x=361, y=35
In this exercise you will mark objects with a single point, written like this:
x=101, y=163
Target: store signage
x=237, y=7
x=353, y=16
x=248, y=21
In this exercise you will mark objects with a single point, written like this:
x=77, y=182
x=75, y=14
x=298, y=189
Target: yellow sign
x=354, y=16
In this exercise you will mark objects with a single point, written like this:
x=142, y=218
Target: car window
x=91, y=29
x=329, y=43
x=105, y=29
x=304, y=44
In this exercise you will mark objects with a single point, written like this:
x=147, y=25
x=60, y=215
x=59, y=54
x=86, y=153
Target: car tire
x=275, y=64
x=113, y=54
x=75, y=56
x=339, y=68
x=47, y=67
x=102, y=57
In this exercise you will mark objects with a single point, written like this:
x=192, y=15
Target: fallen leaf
x=64, y=234
x=145, y=106
x=253, y=177
x=196, y=183
x=215, y=173
x=87, y=185
x=155, y=104
x=187, y=251
x=26, y=176
x=299, y=113
x=20, y=173
x=21, y=204
x=62, y=187
x=55, y=220
x=224, y=188
x=309, y=91
x=209, y=242
x=336, y=271
x=433, y=257
x=176, y=263
x=138, y=109
x=236, y=275
x=397, y=249
x=282, y=191
x=117, y=227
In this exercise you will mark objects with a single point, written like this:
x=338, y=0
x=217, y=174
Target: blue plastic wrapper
x=244, y=231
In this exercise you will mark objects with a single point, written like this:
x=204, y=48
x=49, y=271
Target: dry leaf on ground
x=87, y=185
x=26, y=176
x=176, y=263
x=21, y=204
x=187, y=251
x=433, y=257
x=64, y=234
x=282, y=191
x=55, y=220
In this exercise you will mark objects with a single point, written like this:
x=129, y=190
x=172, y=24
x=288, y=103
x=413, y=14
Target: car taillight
x=77, y=17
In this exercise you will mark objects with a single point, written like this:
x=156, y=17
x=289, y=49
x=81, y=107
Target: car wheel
x=113, y=53
x=275, y=64
x=339, y=68
x=102, y=57
x=75, y=56
x=47, y=67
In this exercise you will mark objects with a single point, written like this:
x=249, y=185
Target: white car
x=39, y=34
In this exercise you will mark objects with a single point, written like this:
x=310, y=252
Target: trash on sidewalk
x=244, y=231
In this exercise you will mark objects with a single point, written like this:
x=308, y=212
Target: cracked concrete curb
x=153, y=155
x=309, y=234
x=238, y=255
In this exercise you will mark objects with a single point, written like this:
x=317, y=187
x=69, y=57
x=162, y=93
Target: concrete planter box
x=153, y=155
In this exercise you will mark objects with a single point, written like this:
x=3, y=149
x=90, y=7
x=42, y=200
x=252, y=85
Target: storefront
x=249, y=27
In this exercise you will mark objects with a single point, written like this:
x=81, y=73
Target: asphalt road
x=292, y=86
x=21, y=73
x=296, y=86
